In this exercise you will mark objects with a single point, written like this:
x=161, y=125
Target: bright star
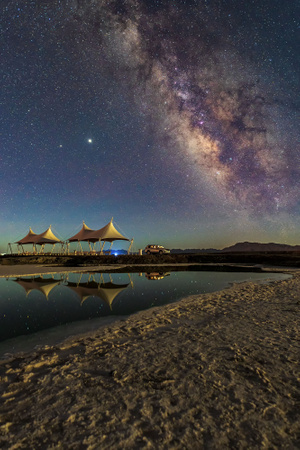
x=90, y=141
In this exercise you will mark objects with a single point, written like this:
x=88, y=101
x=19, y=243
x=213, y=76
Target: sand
x=38, y=269
x=213, y=371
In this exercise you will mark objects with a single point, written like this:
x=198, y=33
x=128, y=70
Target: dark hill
x=259, y=247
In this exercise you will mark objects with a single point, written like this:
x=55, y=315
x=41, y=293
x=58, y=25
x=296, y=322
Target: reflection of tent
x=105, y=291
x=84, y=290
x=109, y=291
x=43, y=285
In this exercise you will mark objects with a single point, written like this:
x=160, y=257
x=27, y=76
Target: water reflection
x=105, y=291
x=156, y=275
x=41, y=284
x=31, y=304
x=93, y=287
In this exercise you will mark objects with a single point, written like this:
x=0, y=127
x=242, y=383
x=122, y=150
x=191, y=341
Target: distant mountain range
x=195, y=250
x=258, y=247
x=245, y=247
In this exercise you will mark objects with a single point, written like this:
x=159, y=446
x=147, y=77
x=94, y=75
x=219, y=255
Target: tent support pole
x=101, y=247
x=129, y=248
x=131, y=282
x=78, y=282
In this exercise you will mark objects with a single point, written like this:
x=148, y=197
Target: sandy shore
x=212, y=371
x=38, y=269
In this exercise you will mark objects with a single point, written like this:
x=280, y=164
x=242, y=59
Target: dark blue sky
x=179, y=118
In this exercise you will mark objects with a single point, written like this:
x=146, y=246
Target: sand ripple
x=213, y=371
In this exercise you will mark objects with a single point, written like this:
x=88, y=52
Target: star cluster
x=169, y=112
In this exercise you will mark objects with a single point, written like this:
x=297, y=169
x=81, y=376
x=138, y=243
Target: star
x=193, y=106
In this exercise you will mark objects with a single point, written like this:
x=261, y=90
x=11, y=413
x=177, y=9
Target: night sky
x=179, y=118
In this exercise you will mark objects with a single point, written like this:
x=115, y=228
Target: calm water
x=45, y=309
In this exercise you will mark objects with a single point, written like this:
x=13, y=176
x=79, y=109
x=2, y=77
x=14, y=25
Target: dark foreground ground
x=215, y=371
x=284, y=259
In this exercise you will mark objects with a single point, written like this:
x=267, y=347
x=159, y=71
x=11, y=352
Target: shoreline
x=10, y=271
x=216, y=370
x=57, y=334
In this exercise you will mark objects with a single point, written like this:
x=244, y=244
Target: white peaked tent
x=109, y=234
x=106, y=234
x=30, y=238
x=83, y=236
x=47, y=237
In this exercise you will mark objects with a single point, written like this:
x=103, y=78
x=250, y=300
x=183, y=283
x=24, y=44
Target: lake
x=46, y=309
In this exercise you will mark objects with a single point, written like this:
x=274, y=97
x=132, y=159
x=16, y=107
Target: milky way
x=172, y=111
x=184, y=59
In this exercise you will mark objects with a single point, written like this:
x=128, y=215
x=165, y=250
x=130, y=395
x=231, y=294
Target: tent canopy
x=30, y=238
x=108, y=233
x=82, y=235
x=47, y=238
x=44, y=238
